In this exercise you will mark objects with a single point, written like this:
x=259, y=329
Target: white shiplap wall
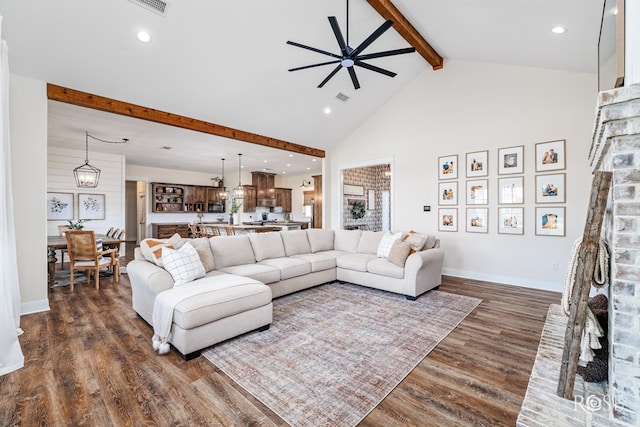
x=60, y=165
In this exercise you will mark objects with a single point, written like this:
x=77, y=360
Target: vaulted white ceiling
x=226, y=62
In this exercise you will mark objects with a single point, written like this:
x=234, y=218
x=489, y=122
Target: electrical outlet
x=554, y=266
x=426, y=208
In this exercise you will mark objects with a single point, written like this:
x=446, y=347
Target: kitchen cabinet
x=195, y=198
x=317, y=205
x=167, y=197
x=283, y=199
x=165, y=231
x=265, y=187
x=215, y=202
x=307, y=196
x=250, y=198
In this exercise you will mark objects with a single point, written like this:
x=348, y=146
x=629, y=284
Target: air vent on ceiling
x=342, y=97
x=157, y=6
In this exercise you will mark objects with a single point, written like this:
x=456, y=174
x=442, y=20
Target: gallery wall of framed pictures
x=549, y=197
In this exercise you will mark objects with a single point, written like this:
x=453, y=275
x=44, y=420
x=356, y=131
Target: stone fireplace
x=616, y=148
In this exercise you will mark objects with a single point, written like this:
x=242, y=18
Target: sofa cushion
x=384, y=267
x=183, y=264
x=201, y=245
x=399, y=253
x=369, y=242
x=357, y=262
x=415, y=240
x=234, y=295
x=347, y=240
x=319, y=261
x=151, y=249
x=231, y=250
x=260, y=272
x=295, y=242
x=267, y=245
x=320, y=239
x=289, y=267
x=386, y=242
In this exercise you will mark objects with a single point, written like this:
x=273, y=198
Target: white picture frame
x=59, y=206
x=477, y=164
x=511, y=221
x=550, y=188
x=511, y=160
x=477, y=220
x=478, y=192
x=550, y=221
x=448, y=167
x=352, y=190
x=448, y=193
x=550, y=156
x=448, y=219
x=91, y=206
x=511, y=190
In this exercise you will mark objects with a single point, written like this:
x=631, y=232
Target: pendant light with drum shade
x=87, y=175
x=238, y=192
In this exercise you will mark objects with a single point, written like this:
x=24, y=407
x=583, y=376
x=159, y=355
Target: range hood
x=265, y=185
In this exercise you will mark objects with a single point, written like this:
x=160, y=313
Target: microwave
x=216, y=207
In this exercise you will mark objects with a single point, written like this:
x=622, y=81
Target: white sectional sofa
x=244, y=272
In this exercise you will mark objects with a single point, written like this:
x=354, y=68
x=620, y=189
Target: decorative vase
x=236, y=219
x=230, y=219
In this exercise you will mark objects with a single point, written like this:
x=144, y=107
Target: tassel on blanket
x=160, y=345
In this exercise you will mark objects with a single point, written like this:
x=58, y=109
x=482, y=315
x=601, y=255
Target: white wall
x=60, y=165
x=632, y=43
x=469, y=107
x=28, y=133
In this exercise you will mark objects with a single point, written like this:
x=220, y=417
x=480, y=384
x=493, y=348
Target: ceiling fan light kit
x=349, y=57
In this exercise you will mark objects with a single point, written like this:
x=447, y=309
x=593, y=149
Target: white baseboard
x=34, y=307
x=505, y=280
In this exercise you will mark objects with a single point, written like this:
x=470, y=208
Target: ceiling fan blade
x=324, y=52
x=331, y=74
x=354, y=78
x=377, y=33
x=374, y=68
x=314, y=65
x=336, y=31
x=387, y=53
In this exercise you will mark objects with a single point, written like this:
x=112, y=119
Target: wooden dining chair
x=194, y=230
x=61, y=230
x=230, y=230
x=213, y=231
x=84, y=255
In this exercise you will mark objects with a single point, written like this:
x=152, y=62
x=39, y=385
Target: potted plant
x=358, y=209
x=77, y=225
x=233, y=212
x=216, y=181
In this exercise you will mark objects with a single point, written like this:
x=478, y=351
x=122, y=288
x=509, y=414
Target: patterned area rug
x=335, y=351
x=63, y=277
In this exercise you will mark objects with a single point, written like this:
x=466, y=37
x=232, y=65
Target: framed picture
x=511, y=190
x=59, y=206
x=448, y=167
x=477, y=192
x=448, y=219
x=477, y=220
x=511, y=220
x=448, y=193
x=511, y=160
x=91, y=206
x=550, y=156
x=477, y=164
x=550, y=188
x=353, y=190
x=550, y=221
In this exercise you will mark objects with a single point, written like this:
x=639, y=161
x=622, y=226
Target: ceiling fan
x=349, y=57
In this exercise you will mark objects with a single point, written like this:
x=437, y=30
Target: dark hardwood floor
x=89, y=362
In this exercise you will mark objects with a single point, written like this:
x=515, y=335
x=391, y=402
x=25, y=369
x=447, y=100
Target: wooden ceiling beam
x=388, y=11
x=88, y=100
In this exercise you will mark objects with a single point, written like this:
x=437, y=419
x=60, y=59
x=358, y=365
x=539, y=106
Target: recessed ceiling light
x=284, y=172
x=290, y=155
x=308, y=169
x=288, y=165
x=265, y=161
x=559, y=30
x=327, y=110
x=143, y=36
x=313, y=160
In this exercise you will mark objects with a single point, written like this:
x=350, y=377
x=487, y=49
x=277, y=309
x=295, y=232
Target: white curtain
x=11, y=357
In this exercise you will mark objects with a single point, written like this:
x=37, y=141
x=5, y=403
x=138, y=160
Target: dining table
x=55, y=243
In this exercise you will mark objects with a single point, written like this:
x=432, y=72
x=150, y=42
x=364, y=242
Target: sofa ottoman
x=230, y=306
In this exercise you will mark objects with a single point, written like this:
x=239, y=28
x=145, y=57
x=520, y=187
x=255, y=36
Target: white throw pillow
x=386, y=242
x=184, y=264
x=152, y=249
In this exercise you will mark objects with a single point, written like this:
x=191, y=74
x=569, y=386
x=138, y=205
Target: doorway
x=135, y=210
x=366, y=197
